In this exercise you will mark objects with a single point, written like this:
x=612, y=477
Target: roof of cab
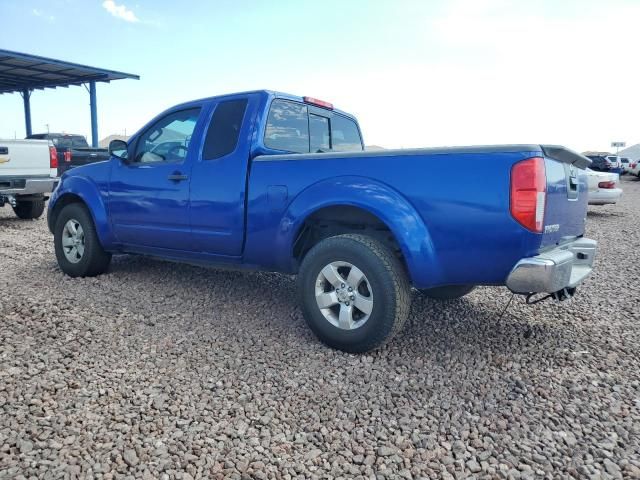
x=268, y=93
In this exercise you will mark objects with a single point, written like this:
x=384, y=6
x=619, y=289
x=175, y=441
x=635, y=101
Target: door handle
x=177, y=177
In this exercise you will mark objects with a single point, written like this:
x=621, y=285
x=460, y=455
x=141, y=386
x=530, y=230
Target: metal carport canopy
x=23, y=73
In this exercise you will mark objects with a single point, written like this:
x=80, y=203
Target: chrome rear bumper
x=32, y=186
x=563, y=267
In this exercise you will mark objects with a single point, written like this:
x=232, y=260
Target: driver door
x=149, y=193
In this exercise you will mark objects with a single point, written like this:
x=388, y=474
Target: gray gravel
x=158, y=370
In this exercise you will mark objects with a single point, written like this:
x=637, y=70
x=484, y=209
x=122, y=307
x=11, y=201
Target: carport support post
x=26, y=96
x=94, y=114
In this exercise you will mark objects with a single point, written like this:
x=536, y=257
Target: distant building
x=597, y=154
x=632, y=152
x=372, y=148
x=104, y=143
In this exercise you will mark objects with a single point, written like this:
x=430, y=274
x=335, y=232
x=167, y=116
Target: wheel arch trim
x=389, y=206
x=83, y=190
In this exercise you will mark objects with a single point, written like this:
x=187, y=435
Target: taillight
x=608, y=184
x=528, y=193
x=53, y=157
x=632, y=165
x=67, y=156
x=318, y=103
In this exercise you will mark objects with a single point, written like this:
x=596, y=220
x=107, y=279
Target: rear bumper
x=604, y=196
x=563, y=267
x=31, y=186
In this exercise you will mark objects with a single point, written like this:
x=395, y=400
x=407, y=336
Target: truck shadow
x=12, y=220
x=476, y=324
x=234, y=301
x=605, y=214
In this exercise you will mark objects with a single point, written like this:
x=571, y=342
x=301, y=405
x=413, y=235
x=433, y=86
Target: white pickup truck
x=28, y=170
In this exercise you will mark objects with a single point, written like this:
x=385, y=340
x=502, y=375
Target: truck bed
x=455, y=205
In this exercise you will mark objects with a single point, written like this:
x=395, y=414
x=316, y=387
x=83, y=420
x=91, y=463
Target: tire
x=89, y=262
x=29, y=209
x=448, y=292
x=383, y=292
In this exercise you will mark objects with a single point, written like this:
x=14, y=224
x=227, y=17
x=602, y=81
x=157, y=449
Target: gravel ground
x=158, y=370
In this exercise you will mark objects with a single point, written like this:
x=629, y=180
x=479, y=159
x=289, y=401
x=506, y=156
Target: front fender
x=94, y=199
x=379, y=199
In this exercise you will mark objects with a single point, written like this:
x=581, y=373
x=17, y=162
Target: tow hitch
x=10, y=199
x=560, y=296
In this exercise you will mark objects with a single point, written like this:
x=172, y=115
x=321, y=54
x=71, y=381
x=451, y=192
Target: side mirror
x=118, y=149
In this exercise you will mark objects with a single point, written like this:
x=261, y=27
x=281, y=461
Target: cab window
x=287, y=127
x=168, y=139
x=345, y=136
x=298, y=128
x=319, y=131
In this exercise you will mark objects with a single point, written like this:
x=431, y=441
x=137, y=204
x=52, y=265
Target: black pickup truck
x=73, y=150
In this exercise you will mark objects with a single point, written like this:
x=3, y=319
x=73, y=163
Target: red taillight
x=319, y=103
x=632, y=165
x=608, y=184
x=53, y=157
x=528, y=193
x=67, y=156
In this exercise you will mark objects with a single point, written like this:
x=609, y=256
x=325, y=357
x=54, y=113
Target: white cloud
x=39, y=13
x=120, y=11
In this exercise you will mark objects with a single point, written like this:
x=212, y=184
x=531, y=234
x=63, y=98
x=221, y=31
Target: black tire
x=29, y=209
x=449, y=292
x=94, y=260
x=389, y=286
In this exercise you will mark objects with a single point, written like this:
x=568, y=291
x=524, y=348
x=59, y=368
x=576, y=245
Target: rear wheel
x=78, y=250
x=449, y=292
x=29, y=209
x=354, y=292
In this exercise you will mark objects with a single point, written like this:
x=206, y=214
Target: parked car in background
x=28, y=171
x=601, y=163
x=605, y=162
x=616, y=164
x=269, y=181
x=73, y=150
x=634, y=168
x=624, y=161
x=603, y=187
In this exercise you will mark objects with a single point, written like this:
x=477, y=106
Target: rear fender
x=378, y=199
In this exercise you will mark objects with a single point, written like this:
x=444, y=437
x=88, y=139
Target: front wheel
x=78, y=250
x=354, y=292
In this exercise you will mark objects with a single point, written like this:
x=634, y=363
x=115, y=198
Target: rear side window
x=345, y=135
x=287, y=127
x=224, y=129
x=319, y=130
x=70, y=141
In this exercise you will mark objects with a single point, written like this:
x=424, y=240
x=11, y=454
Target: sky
x=415, y=72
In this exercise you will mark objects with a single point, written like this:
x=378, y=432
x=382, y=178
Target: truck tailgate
x=24, y=158
x=567, y=195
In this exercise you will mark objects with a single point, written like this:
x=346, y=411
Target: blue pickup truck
x=269, y=181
